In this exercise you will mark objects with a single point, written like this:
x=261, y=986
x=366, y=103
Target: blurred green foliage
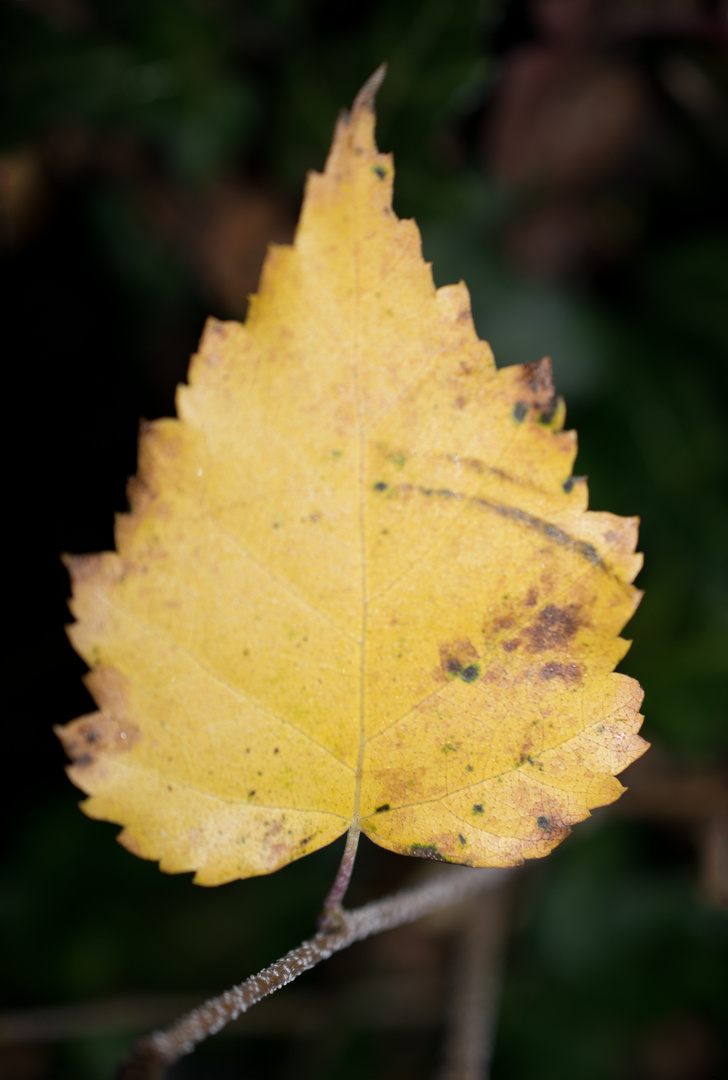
x=117, y=111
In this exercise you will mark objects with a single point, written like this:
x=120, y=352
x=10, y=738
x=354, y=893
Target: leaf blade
x=358, y=584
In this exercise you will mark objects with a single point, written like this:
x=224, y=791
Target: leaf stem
x=150, y=1056
x=332, y=913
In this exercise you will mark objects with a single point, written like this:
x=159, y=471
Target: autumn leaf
x=358, y=583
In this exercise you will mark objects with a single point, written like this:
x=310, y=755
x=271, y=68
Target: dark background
x=569, y=160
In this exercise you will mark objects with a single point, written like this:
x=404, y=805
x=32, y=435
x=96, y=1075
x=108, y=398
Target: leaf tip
x=366, y=96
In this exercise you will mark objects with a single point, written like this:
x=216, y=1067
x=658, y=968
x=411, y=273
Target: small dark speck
x=542, y=821
x=247, y=749
x=92, y=736
x=382, y=808
x=519, y=411
x=461, y=838
x=470, y=673
x=169, y=787
x=259, y=773
x=568, y=485
x=478, y=808
x=380, y=486
x=251, y=793
x=305, y=840
x=468, y=768
x=379, y=171
x=275, y=749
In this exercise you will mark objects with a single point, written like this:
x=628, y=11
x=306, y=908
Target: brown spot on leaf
x=549, y=411
x=553, y=627
x=512, y=645
x=427, y=851
x=503, y=622
x=531, y=598
x=570, y=673
x=456, y=657
x=551, y=828
x=95, y=735
x=537, y=378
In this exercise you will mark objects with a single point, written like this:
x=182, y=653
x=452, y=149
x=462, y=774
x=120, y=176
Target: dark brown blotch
x=570, y=673
x=531, y=598
x=512, y=645
x=553, y=627
x=458, y=659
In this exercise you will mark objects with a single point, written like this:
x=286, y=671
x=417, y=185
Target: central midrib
x=354, y=828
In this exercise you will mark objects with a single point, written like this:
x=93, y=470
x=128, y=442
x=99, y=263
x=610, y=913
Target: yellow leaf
x=358, y=583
